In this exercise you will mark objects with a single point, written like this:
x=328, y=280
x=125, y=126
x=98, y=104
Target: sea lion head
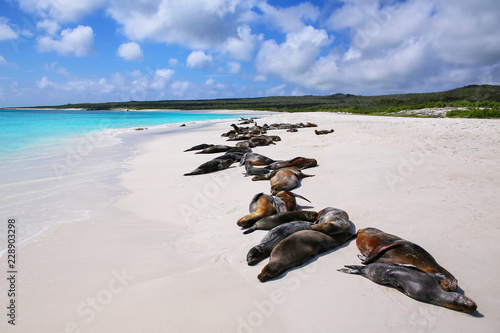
x=255, y=255
x=269, y=271
x=461, y=303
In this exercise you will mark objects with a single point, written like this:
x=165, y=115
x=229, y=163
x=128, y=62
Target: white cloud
x=78, y=41
x=180, y=88
x=234, y=67
x=294, y=56
x=2, y=60
x=6, y=32
x=61, y=10
x=198, y=59
x=130, y=51
x=243, y=45
x=50, y=26
x=291, y=19
x=197, y=24
x=173, y=62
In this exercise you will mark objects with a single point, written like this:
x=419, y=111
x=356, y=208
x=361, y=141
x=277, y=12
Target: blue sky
x=67, y=51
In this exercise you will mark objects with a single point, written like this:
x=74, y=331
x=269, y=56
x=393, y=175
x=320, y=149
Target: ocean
x=60, y=166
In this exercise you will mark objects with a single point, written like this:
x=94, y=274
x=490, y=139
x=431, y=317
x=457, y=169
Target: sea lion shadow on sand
x=352, y=230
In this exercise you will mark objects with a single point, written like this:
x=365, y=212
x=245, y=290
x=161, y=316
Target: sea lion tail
x=249, y=230
x=351, y=269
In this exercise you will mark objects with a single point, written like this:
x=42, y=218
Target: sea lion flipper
x=361, y=257
x=250, y=230
x=378, y=251
x=299, y=196
x=351, y=269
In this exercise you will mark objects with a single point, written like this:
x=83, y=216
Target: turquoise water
x=63, y=166
x=28, y=128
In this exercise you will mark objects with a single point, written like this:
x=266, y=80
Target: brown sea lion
x=378, y=246
x=297, y=249
x=260, y=206
x=413, y=282
x=332, y=221
x=271, y=221
x=299, y=162
x=321, y=132
x=285, y=201
x=273, y=237
x=211, y=166
x=286, y=179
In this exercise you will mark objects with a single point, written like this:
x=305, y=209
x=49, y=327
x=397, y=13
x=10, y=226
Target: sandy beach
x=169, y=257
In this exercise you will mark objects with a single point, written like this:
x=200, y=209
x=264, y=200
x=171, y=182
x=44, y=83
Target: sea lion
x=239, y=150
x=271, y=221
x=332, y=221
x=236, y=157
x=321, y=132
x=251, y=170
x=260, y=206
x=273, y=237
x=286, y=179
x=261, y=141
x=413, y=282
x=256, y=159
x=378, y=246
x=214, y=149
x=300, y=162
x=298, y=248
x=285, y=201
x=273, y=137
x=199, y=147
x=211, y=166
x=246, y=143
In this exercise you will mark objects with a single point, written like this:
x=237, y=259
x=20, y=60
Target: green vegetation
x=480, y=101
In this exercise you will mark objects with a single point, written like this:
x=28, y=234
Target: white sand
x=169, y=257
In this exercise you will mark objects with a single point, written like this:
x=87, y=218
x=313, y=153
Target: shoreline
x=169, y=257
x=83, y=149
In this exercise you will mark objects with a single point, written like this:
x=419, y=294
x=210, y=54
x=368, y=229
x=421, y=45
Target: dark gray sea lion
x=299, y=162
x=297, y=248
x=256, y=159
x=262, y=141
x=332, y=221
x=251, y=170
x=273, y=237
x=246, y=143
x=260, y=206
x=236, y=157
x=214, y=149
x=413, y=282
x=211, y=166
x=378, y=246
x=272, y=221
x=239, y=150
x=286, y=179
x=285, y=201
x=199, y=147
x=321, y=132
